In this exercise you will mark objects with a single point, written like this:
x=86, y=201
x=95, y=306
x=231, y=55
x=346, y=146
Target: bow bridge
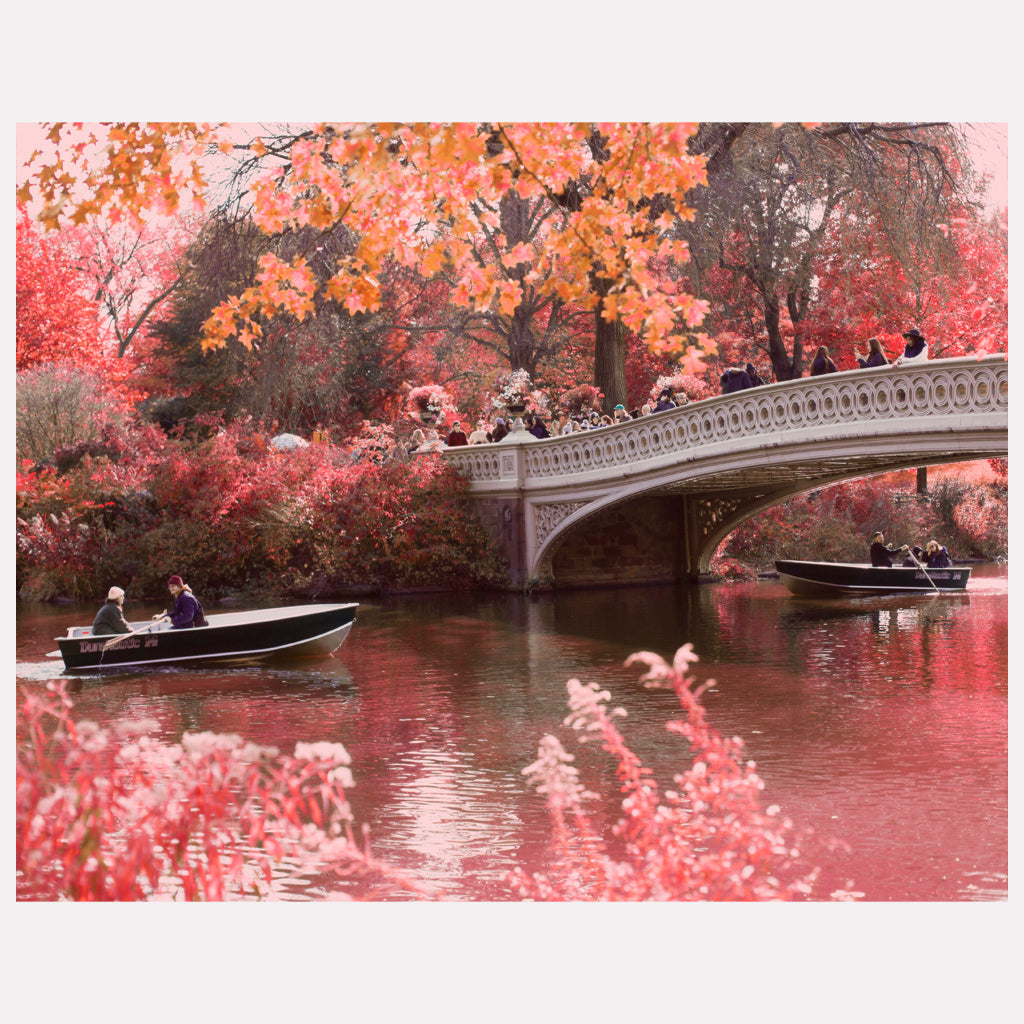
x=651, y=499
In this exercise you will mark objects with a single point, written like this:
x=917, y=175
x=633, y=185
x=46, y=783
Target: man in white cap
x=110, y=618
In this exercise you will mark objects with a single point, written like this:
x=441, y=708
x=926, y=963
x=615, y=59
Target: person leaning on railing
x=823, y=363
x=875, y=355
x=916, y=350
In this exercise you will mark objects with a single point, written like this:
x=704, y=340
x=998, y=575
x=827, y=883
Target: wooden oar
x=124, y=636
x=910, y=552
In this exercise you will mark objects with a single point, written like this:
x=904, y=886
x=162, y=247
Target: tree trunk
x=922, y=480
x=609, y=359
x=782, y=366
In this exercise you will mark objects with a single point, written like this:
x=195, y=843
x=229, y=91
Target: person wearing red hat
x=188, y=612
x=110, y=618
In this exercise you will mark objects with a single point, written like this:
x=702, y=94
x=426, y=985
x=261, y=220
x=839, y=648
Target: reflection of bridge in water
x=651, y=499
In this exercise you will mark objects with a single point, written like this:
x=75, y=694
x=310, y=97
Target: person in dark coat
x=735, y=379
x=457, y=436
x=822, y=363
x=916, y=349
x=915, y=556
x=756, y=380
x=875, y=355
x=936, y=555
x=110, y=618
x=537, y=428
x=500, y=430
x=880, y=554
x=664, y=401
x=187, y=612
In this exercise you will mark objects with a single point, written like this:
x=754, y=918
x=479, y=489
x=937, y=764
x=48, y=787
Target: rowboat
x=299, y=631
x=847, y=579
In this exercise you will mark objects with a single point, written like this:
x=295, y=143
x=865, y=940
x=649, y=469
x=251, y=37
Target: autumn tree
x=332, y=367
x=778, y=195
x=133, y=271
x=55, y=315
x=422, y=196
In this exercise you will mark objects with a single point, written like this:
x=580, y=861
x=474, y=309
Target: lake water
x=878, y=722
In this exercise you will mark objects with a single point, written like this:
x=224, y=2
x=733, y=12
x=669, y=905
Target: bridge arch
x=715, y=463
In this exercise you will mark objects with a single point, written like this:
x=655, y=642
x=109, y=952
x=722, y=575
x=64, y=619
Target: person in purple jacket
x=187, y=612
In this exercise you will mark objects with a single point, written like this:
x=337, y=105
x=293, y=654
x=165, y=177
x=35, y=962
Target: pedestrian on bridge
x=823, y=363
x=916, y=350
x=875, y=355
x=735, y=379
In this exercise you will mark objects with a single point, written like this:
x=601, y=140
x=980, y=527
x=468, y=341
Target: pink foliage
x=432, y=399
x=706, y=838
x=112, y=814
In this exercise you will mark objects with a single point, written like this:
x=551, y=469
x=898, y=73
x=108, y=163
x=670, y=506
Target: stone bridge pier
x=651, y=499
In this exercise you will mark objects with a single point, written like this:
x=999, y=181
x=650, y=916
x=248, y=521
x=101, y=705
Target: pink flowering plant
x=431, y=400
x=684, y=386
x=581, y=399
x=514, y=388
x=113, y=814
x=705, y=838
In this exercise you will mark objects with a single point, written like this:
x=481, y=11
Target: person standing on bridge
x=823, y=363
x=735, y=379
x=880, y=554
x=916, y=350
x=875, y=356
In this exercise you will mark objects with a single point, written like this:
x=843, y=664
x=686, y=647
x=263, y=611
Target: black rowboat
x=845, y=579
x=315, y=629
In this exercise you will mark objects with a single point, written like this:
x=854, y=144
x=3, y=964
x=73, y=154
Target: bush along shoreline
x=243, y=522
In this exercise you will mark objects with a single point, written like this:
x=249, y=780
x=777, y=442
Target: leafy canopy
x=419, y=194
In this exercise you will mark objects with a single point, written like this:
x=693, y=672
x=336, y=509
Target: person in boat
x=916, y=350
x=915, y=556
x=882, y=555
x=875, y=355
x=822, y=363
x=110, y=618
x=936, y=555
x=187, y=612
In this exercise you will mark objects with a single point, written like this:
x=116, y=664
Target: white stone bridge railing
x=964, y=390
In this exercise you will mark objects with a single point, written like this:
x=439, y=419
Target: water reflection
x=879, y=722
